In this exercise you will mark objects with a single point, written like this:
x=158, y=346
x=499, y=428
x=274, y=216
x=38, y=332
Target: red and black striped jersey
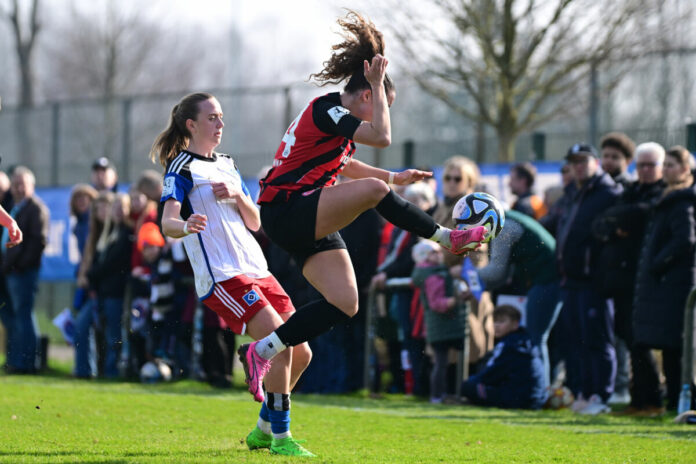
x=314, y=150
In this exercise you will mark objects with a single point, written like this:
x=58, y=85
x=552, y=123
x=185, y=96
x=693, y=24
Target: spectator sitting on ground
x=513, y=376
x=522, y=177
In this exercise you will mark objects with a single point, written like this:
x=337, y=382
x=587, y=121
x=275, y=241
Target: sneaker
x=463, y=241
x=619, y=398
x=289, y=447
x=579, y=404
x=255, y=368
x=257, y=438
x=595, y=406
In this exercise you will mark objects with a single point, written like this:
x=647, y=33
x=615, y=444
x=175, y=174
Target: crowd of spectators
x=602, y=265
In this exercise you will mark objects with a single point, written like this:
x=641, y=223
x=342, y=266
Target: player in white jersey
x=206, y=203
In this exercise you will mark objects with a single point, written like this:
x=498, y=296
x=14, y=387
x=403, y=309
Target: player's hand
x=375, y=71
x=410, y=176
x=224, y=190
x=14, y=234
x=196, y=223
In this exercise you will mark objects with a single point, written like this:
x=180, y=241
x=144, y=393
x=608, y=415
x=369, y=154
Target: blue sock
x=279, y=414
x=263, y=413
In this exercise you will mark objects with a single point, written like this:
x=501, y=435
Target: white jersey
x=225, y=248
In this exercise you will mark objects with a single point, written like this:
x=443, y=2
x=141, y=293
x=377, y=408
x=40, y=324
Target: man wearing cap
x=104, y=176
x=587, y=318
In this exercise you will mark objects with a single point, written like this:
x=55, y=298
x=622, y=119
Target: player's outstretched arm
x=356, y=169
x=172, y=224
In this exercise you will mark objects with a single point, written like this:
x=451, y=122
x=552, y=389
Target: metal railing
x=403, y=283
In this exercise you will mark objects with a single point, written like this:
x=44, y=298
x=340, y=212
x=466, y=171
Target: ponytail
x=175, y=138
x=362, y=41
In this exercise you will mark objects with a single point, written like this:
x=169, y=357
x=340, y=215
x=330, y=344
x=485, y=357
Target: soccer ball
x=559, y=398
x=479, y=209
x=155, y=371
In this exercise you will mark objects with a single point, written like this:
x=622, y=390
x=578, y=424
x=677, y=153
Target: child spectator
x=444, y=318
x=513, y=376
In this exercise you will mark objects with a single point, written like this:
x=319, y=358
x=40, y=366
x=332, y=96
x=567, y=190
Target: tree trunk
x=506, y=147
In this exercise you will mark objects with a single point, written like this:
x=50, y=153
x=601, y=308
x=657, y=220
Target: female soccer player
x=206, y=203
x=301, y=208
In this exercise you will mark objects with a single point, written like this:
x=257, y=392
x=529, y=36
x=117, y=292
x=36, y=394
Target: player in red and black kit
x=301, y=208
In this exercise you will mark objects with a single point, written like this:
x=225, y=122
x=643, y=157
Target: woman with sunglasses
x=302, y=207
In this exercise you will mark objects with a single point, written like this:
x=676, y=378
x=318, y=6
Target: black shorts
x=291, y=226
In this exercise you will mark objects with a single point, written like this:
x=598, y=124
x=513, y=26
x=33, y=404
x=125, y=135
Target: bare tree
x=513, y=65
x=25, y=34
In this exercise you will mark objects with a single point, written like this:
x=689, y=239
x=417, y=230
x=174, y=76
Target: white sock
x=269, y=346
x=264, y=426
x=442, y=236
x=282, y=435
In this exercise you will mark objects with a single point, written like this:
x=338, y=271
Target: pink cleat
x=255, y=368
x=463, y=241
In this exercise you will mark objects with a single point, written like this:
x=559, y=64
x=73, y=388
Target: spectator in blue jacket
x=587, y=317
x=513, y=376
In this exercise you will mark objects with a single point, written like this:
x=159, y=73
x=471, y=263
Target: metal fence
x=60, y=140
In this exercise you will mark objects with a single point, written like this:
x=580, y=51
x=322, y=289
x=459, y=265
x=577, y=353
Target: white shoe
x=619, y=398
x=595, y=406
x=579, y=403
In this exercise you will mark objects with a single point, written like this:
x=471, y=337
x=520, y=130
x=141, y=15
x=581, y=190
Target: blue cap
x=581, y=149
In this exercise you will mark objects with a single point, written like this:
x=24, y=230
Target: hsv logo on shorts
x=251, y=297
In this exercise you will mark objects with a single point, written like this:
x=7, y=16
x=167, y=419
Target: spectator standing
x=445, y=317
x=622, y=228
x=667, y=272
x=104, y=176
x=81, y=199
x=617, y=152
x=525, y=250
x=587, y=317
x=21, y=267
x=108, y=277
x=522, y=177
x=460, y=176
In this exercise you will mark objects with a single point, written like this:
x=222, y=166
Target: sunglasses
x=452, y=179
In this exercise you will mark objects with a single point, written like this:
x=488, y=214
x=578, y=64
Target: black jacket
x=110, y=269
x=666, y=271
x=618, y=260
x=577, y=251
x=32, y=220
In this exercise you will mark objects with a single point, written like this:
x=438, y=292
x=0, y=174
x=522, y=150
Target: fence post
x=539, y=146
x=691, y=137
x=126, y=139
x=409, y=149
x=688, y=349
x=55, y=143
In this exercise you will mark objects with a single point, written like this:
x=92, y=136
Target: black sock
x=311, y=320
x=406, y=215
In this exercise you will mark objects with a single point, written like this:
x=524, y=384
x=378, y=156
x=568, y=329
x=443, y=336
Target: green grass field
x=53, y=418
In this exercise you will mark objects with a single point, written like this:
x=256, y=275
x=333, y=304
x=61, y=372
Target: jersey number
x=289, y=137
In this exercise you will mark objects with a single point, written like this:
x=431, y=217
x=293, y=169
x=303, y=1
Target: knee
x=377, y=189
x=302, y=355
x=348, y=304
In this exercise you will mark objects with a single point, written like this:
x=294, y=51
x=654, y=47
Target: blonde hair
x=469, y=170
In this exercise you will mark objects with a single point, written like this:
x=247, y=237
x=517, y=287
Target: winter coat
x=577, y=251
x=32, y=220
x=666, y=271
x=440, y=326
x=516, y=369
x=618, y=261
x=110, y=268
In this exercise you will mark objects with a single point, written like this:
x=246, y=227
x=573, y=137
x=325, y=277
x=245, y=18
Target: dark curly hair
x=621, y=142
x=362, y=41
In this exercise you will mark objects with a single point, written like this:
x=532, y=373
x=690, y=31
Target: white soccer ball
x=480, y=209
x=559, y=398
